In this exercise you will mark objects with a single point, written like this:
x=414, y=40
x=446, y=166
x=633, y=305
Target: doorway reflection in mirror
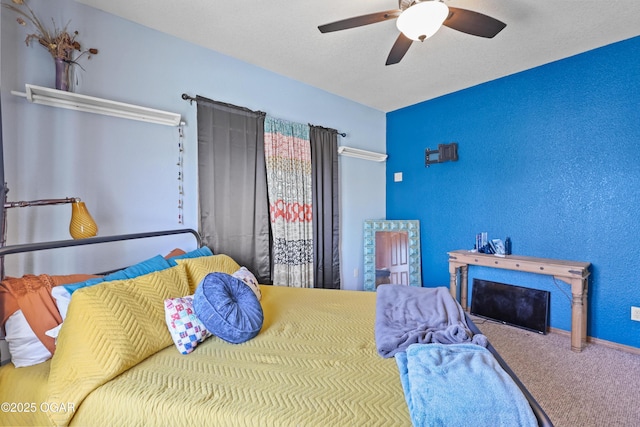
x=392, y=257
x=392, y=253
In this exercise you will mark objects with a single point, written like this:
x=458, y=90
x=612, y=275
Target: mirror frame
x=412, y=227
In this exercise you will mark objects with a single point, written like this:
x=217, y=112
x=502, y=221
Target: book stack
x=486, y=246
x=481, y=242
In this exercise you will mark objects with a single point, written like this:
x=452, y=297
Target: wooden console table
x=574, y=273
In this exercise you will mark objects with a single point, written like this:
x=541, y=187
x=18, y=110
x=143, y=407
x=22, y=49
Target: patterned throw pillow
x=247, y=277
x=186, y=330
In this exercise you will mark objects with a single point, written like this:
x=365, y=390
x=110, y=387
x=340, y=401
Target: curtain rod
x=188, y=98
x=191, y=99
x=342, y=134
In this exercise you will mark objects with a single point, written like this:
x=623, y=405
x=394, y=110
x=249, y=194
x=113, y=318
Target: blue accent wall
x=549, y=157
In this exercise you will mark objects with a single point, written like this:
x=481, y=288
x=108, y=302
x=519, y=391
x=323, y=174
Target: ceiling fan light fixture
x=422, y=20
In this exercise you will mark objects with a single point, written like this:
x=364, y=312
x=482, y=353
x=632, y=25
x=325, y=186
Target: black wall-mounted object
x=445, y=152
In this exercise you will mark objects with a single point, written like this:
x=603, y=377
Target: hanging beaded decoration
x=180, y=173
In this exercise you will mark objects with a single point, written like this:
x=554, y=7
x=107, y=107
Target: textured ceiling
x=282, y=36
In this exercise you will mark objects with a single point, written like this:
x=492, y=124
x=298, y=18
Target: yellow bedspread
x=313, y=363
x=23, y=395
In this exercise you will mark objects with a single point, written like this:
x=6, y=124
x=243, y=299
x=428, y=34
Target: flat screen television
x=513, y=305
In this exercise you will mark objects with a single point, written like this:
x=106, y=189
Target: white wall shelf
x=361, y=154
x=90, y=104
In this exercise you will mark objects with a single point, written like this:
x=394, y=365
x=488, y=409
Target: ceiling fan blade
x=400, y=47
x=473, y=23
x=359, y=21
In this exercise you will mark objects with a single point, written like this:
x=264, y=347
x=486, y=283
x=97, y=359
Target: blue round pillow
x=228, y=308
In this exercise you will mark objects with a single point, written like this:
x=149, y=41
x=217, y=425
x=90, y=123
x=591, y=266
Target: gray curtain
x=326, y=208
x=234, y=210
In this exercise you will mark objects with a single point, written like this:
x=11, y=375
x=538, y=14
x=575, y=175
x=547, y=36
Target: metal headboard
x=32, y=247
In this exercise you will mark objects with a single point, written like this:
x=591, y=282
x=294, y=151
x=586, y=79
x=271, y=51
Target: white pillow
x=63, y=298
x=247, y=277
x=25, y=347
x=53, y=332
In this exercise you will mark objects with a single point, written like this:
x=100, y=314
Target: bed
x=313, y=362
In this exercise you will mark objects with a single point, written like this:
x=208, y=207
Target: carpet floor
x=599, y=386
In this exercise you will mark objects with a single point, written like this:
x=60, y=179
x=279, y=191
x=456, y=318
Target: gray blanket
x=408, y=315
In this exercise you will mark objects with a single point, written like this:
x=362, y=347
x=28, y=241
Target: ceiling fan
x=420, y=19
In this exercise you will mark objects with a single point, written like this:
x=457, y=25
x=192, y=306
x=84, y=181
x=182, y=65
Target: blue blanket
x=408, y=315
x=460, y=385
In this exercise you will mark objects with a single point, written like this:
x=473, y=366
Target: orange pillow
x=32, y=295
x=175, y=252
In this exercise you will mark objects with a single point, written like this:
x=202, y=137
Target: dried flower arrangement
x=61, y=44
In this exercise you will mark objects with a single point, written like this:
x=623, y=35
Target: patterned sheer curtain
x=288, y=162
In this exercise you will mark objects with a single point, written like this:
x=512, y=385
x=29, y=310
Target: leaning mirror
x=391, y=253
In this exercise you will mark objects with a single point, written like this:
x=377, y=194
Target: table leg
x=464, y=286
x=578, y=314
x=453, y=280
x=585, y=292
